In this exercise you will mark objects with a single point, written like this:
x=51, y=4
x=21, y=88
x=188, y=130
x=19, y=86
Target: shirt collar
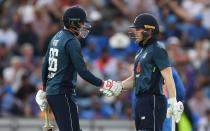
x=149, y=42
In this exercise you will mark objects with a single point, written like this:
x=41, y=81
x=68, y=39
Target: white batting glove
x=111, y=88
x=175, y=109
x=106, y=92
x=117, y=88
x=41, y=100
x=105, y=89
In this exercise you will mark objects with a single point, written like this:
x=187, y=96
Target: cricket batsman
x=63, y=60
x=151, y=69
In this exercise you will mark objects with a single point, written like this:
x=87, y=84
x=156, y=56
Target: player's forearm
x=44, y=73
x=88, y=76
x=79, y=64
x=182, y=13
x=121, y=6
x=128, y=83
x=167, y=75
x=170, y=87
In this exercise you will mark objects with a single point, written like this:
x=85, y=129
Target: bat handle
x=46, y=117
x=173, y=127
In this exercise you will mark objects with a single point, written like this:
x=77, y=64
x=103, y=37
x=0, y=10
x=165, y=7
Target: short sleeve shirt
x=149, y=62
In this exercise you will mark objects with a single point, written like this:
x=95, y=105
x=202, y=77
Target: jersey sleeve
x=161, y=59
x=74, y=50
x=45, y=70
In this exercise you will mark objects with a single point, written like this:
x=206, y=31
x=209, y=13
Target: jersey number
x=53, y=54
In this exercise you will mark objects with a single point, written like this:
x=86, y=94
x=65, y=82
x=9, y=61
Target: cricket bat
x=173, y=127
x=47, y=126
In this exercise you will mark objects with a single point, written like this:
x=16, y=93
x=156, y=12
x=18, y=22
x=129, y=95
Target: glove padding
x=41, y=100
x=175, y=109
x=111, y=88
x=106, y=92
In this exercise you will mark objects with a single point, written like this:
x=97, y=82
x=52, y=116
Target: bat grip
x=46, y=117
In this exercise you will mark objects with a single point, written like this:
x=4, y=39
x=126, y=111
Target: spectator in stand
x=172, y=27
x=27, y=53
x=4, y=56
x=204, y=72
x=6, y=98
x=92, y=51
x=199, y=104
x=28, y=35
x=204, y=123
x=196, y=31
x=24, y=92
x=12, y=74
x=199, y=53
x=7, y=35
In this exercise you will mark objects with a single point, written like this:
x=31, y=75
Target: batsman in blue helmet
x=151, y=69
x=62, y=62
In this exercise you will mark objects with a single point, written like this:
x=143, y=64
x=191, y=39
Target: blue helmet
x=146, y=21
x=74, y=15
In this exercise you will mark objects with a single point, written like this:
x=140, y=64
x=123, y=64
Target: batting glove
x=111, y=88
x=41, y=100
x=175, y=109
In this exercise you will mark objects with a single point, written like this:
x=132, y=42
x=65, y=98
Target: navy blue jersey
x=149, y=61
x=62, y=62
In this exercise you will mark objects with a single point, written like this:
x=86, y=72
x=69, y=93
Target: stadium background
x=26, y=27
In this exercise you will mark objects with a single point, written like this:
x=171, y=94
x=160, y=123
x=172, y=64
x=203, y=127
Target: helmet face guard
x=146, y=33
x=131, y=35
x=75, y=19
x=84, y=31
x=80, y=28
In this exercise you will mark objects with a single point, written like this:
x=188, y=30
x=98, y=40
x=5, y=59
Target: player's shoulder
x=65, y=35
x=73, y=43
x=159, y=47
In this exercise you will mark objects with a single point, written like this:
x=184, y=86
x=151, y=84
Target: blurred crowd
x=26, y=27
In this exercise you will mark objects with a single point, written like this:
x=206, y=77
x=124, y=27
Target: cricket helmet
x=74, y=15
x=146, y=21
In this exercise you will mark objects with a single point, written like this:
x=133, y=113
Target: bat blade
x=47, y=126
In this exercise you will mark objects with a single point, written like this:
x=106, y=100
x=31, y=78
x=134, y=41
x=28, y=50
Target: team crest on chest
x=138, y=69
x=144, y=55
x=138, y=54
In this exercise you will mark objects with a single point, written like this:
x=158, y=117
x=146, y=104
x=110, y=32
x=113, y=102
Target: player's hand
x=111, y=88
x=106, y=92
x=105, y=89
x=175, y=109
x=41, y=100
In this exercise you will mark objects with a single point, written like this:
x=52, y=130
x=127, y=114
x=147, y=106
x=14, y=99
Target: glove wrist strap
x=172, y=100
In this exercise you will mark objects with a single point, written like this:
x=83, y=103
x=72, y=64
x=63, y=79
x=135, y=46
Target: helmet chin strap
x=80, y=32
x=74, y=30
x=143, y=41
